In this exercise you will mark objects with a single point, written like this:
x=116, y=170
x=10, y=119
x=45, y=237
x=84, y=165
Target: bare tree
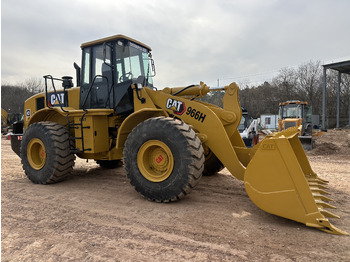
x=285, y=83
x=33, y=85
x=309, y=83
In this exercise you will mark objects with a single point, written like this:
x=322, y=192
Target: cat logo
x=268, y=146
x=177, y=106
x=57, y=99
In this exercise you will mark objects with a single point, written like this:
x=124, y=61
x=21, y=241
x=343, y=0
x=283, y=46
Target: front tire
x=45, y=153
x=164, y=159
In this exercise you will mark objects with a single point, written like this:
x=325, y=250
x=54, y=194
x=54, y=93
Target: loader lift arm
x=276, y=172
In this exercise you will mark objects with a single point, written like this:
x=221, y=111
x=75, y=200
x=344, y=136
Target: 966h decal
x=179, y=108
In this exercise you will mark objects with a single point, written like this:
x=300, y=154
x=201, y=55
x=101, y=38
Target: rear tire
x=46, y=154
x=164, y=159
x=212, y=164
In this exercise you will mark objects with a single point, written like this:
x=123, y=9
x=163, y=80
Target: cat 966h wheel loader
x=166, y=138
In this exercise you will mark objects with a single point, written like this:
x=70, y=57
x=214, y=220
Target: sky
x=218, y=41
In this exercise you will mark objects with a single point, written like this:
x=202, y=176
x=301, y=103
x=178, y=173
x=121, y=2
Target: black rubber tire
x=59, y=160
x=212, y=164
x=186, y=150
x=110, y=164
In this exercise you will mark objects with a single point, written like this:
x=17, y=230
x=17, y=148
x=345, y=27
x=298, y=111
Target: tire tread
x=62, y=164
x=180, y=131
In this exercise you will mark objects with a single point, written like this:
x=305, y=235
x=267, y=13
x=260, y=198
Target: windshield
x=291, y=111
x=132, y=62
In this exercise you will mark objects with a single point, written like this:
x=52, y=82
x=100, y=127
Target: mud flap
x=16, y=144
x=279, y=180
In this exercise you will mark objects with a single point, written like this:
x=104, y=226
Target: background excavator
x=248, y=129
x=165, y=138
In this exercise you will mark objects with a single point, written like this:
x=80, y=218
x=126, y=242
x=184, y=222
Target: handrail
x=46, y=77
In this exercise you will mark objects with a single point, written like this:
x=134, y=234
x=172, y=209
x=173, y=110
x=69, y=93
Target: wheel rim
x=36, y=153
x=155, y=161
x=207, y=152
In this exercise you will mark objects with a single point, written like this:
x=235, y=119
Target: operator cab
x=294, y=109
x=109, y=67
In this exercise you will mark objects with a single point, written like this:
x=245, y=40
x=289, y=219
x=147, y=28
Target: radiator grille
x=289, y=124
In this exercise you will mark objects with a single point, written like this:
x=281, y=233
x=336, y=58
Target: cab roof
x=113, y=38
x=297, y=102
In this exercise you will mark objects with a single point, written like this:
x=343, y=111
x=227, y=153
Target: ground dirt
x=96, y=215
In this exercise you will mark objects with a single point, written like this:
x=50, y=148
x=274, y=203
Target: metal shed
x=342, y=68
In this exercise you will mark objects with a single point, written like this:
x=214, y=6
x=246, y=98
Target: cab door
x=97, y=77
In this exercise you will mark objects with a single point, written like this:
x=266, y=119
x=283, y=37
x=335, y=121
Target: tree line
x=304, y=83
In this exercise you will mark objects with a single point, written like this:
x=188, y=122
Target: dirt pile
x=334, y=141
x=326, y=149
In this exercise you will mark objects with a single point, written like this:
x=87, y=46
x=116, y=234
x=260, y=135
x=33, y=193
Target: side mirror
x=153, y=68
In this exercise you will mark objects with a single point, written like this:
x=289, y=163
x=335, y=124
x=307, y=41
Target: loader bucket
x=279, y=180
x=306, y=142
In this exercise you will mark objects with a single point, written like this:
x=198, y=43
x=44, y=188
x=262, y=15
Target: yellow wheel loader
x=165, y=138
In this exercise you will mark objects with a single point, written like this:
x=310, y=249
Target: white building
x=269, y=121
